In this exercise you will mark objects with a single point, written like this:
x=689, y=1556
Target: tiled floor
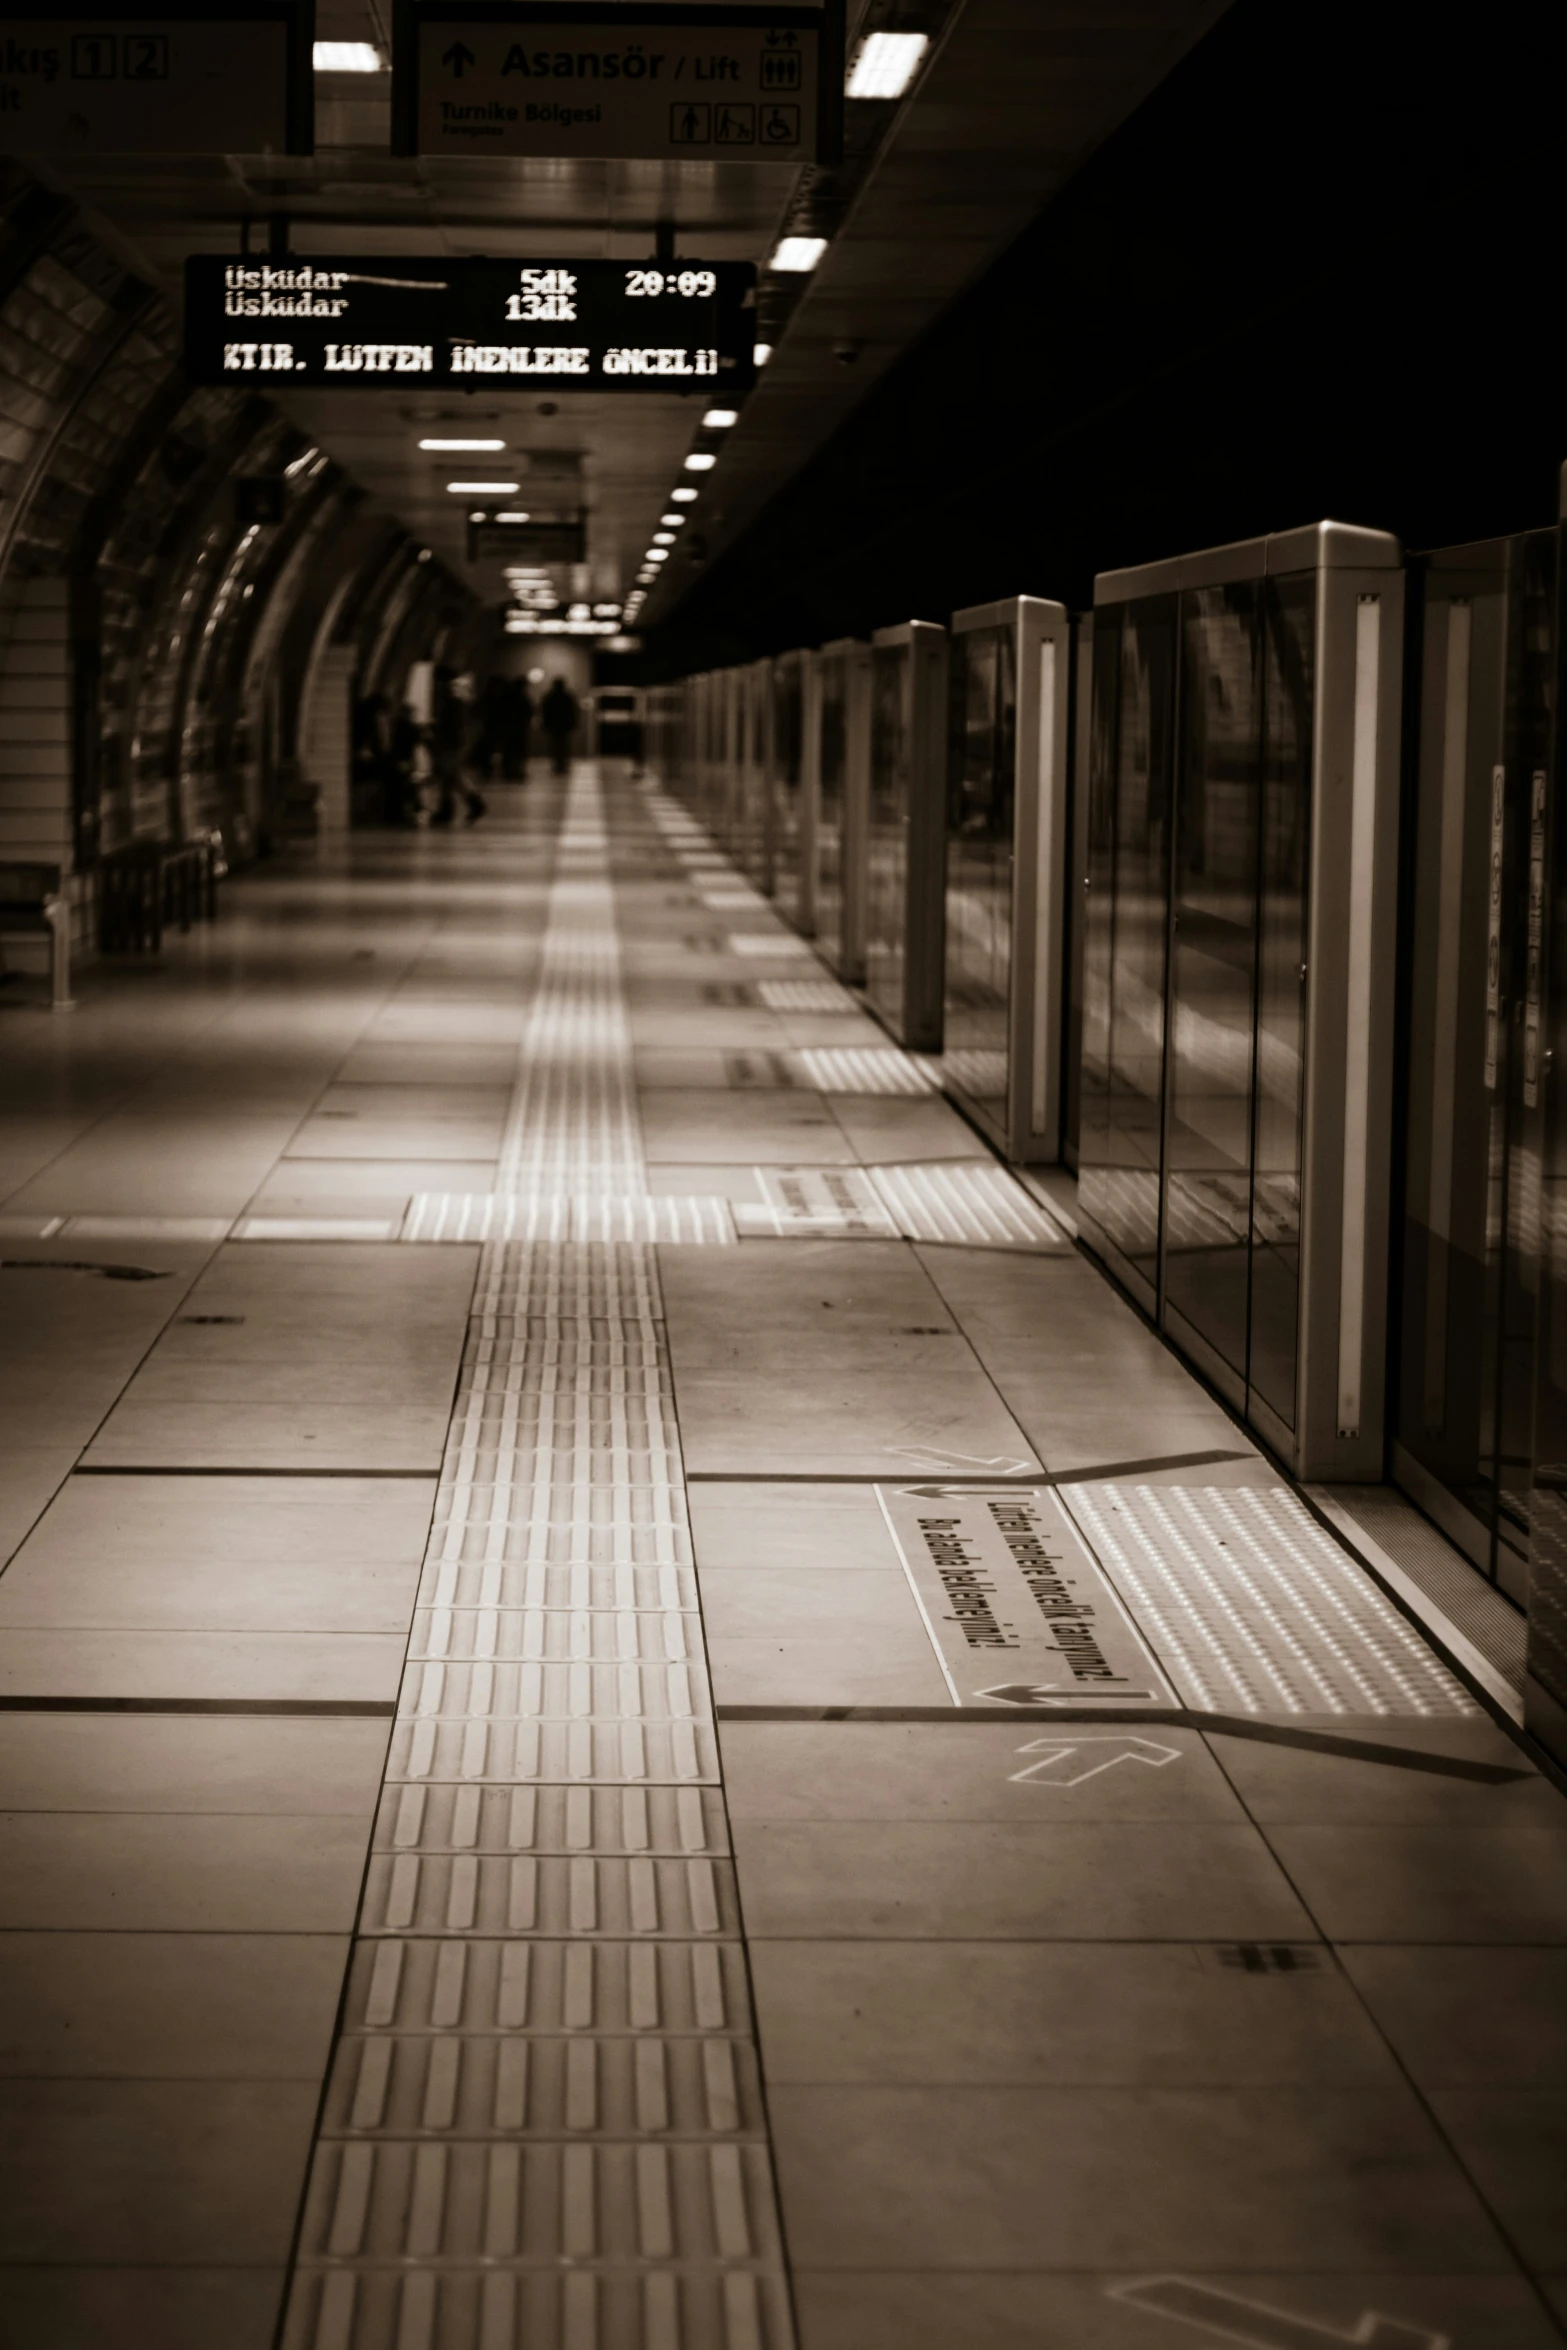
x=491, y=1858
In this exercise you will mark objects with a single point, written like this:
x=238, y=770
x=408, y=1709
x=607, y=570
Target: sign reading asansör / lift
x=588, y=326
x=588, y=81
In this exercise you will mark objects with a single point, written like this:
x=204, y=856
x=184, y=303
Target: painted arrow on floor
x=1232, y=2319
x=958, y=1464
x=1032, y=1693
x=1059, y=1750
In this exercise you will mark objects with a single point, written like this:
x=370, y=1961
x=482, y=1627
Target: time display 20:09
x=697, y=284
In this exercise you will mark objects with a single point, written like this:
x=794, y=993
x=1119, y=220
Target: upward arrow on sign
x=458, y=58
x=1231, y=2319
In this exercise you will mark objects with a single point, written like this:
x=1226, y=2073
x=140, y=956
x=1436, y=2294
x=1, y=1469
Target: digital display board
x=599, y=326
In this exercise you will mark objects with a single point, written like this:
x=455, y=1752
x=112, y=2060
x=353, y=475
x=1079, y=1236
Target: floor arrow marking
x=930, y=1462
x=1030, y=1693
x=1229, y=2318
x=1059, y=1750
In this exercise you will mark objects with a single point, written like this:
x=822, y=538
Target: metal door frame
x=1031, y=1127
x=1351, y=909
x=916, y=1018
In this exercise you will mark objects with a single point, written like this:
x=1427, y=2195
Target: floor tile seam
x=558, y=2136
x=176, y=1301
x=1345, y=1976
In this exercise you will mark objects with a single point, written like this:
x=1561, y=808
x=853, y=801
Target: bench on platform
x=33, y=905
x=151, y=883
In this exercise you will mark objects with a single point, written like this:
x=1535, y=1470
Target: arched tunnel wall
x=158, y=646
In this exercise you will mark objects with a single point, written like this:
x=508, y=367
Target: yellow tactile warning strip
x=1253, y=1609
x=543, y=2123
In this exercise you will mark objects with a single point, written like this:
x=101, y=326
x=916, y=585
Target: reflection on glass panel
x=1547, y=1518
x=1532, y=665
x=1289, y=616
x=1128, y=1185
x=886, y=884
x=785, y=689
x=980, y=820
x=829, y=832
x=1099, y=919
x=1213, y=974
x=1465, y=874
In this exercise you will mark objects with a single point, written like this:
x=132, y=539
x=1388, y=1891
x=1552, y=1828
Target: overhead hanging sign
x=599, y=326
x=528, y=539
x=585, y=81
x=169, y=81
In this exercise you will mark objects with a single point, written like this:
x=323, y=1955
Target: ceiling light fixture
x=462, y=448
x=682, y=497
x=513, y=516
x=346, y=57
x=760, y=354
x=720, y=419
x=484, y=489
x=663, y=538
x=797, y=253
x=701, y=461
x=886, y=65
x=671, y=521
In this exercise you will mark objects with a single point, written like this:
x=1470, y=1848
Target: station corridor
x=638, y=1713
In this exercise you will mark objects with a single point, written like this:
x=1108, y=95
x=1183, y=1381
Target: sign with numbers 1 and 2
x=173, y=79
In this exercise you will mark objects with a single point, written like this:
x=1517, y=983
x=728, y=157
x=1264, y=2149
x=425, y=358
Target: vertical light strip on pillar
x=1046, y=944
x=1444, y=1076
x=1358, y=1010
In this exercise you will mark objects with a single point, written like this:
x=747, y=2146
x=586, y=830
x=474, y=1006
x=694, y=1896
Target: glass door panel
x=1144, y=719
x=785, y=689
x=1093, y=1134
x=1546, y=1528
x=1461, y=985
x=1533, y=654
x=829, y=823
x=887, y=867
x=980, y=823
x=1288, y=687
x=1207, y=1217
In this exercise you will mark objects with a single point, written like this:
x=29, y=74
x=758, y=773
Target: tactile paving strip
x=977, y=1203
x=804, y=995
x=543, y=2123
x=551, y=1216
x=850, y=1069
x=1253, y=1609
x=780, y=943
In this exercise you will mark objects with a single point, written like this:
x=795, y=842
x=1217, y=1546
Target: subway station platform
x=638, y=1711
